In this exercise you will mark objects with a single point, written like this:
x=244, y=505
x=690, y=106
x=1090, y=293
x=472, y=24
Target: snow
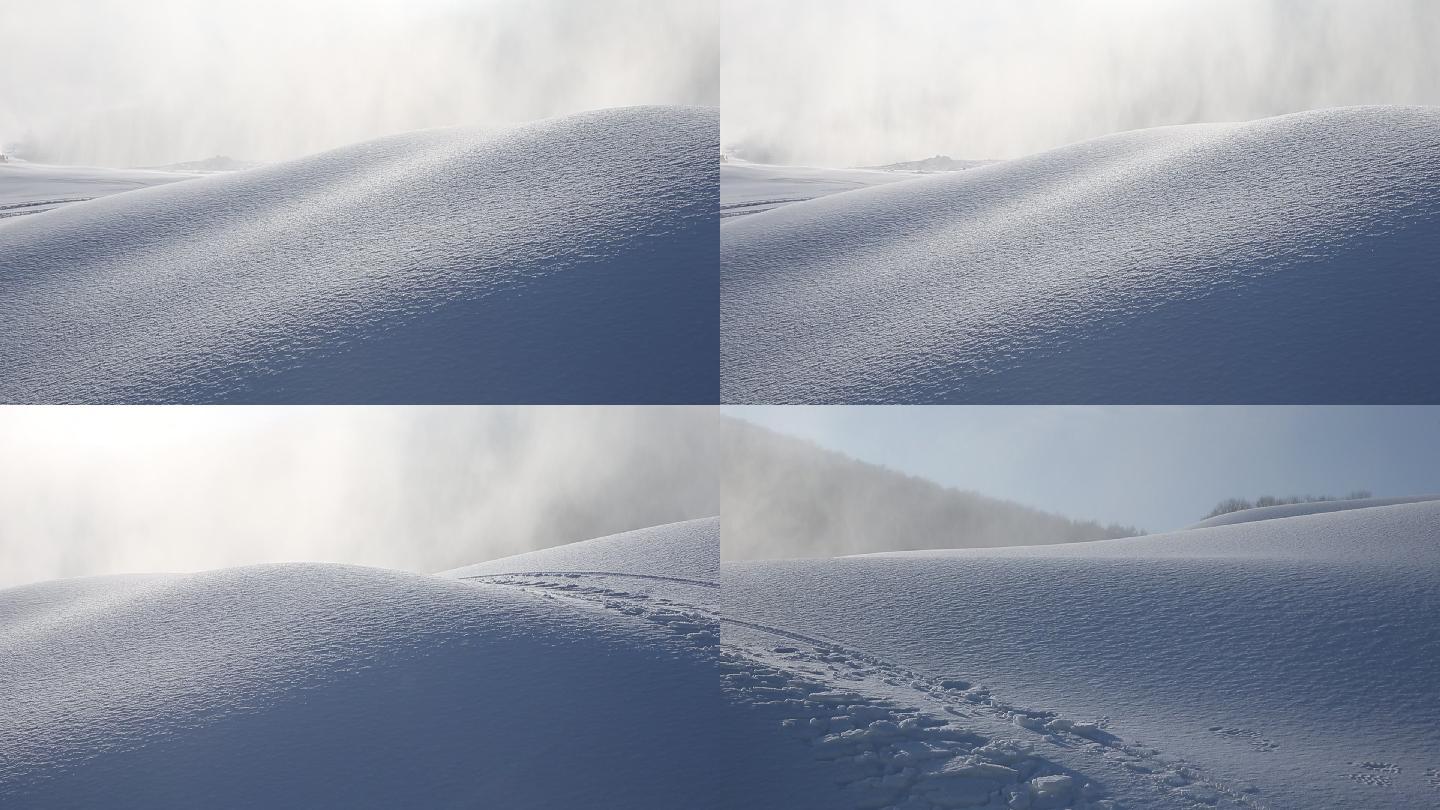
x=749, y=188
x=1293, y=509
x=686, y=550
x=1288, y=662
x=316, y=685
x=1267, y=261
x=32, y=188
x=568, y=260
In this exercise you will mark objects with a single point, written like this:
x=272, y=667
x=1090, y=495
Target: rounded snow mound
x=1293, y=662
x=336, y=686
x=568, y=260
x=689, y=549
x=1386, y=531
x=1285, y=259
x=1295, y=509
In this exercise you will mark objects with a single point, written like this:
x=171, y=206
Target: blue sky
x=1155, y=467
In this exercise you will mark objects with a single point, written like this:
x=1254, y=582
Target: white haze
x=127, y=83
x=115, y=489
x=858, y=82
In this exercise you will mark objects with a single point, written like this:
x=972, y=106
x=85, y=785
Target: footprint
x=1253, y=737
x=1371, y=779
x=1432, y=777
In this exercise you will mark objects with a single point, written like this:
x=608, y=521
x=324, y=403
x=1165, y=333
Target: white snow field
x=314, y=685
x=1278, y=260
x=567, y=260
x=1279, y=663
x=749, y=188
x=31, y=188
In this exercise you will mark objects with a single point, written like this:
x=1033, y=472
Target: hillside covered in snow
x=787, y=497
x=1277, y=260
x=1281, y=662
x=321, y=685
x=566, y=260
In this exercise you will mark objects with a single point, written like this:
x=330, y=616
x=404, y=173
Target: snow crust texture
x=569, y=260
x=1276, y=663
x=1280, y=260
x=309, y=685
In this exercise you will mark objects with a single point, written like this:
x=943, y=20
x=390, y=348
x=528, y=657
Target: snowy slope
x=1294, y=509
x=749, y=188
x=1289, y=662
x=1275, y=260
x=565, y=260
x=686, y=550
x=311, y=685
x=31, y=188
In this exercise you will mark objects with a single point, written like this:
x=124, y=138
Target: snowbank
x=335, y=686
x=1279, y=663
x=560, y=261
x=1280, y=260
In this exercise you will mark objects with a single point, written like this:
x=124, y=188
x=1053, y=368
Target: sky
x=154, y=82
x=114, y=489
x=867, y=82
x=1156, y=467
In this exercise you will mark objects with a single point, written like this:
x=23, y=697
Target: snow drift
x=337, y=686
x=560, y=261
x=1288, y=662
x=1286, y=259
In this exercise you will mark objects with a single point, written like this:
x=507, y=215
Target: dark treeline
x=784, y=497
x=1229, y=505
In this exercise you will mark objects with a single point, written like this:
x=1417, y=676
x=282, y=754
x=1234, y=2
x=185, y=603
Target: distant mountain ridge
x=786, y=497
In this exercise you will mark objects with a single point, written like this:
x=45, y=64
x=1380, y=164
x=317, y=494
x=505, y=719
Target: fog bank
x=854, y=82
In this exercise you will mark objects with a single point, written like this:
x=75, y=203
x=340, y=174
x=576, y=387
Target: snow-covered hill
x=689, y=549
x=1289, y=662
x=32, y=188
x=1310, y=508
x=787, y=497
x=749, y=188
x=1286, y=259
x=566, y=260
x=310, y=685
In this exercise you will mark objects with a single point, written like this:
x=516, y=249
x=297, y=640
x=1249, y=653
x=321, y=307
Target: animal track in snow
x=1253, y=737
x=1372, y=779
x=900, y=754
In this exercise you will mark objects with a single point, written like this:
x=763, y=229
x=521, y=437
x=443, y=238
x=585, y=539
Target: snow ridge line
x=693, y=624
x=704, y=583
x=960, y=698
x=33, y=203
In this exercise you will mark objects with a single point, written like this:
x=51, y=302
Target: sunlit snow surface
x=750, y=188
x=337, y=686
x=1274, y=663
x=1289, y=259
x=569, y=260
